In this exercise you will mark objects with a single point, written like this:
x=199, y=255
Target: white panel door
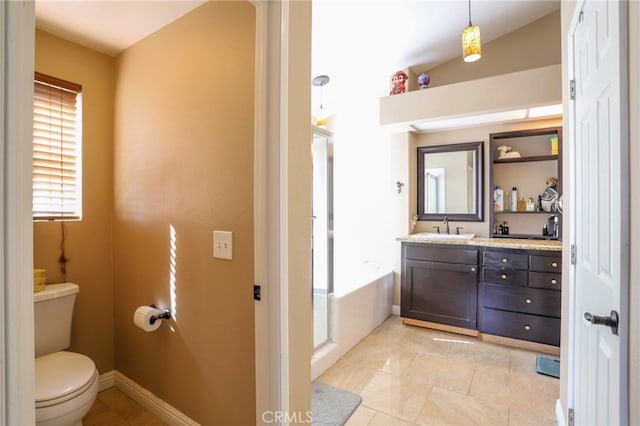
x=597, y=359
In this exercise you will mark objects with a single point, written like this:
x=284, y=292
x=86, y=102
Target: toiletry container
x=66, y=383
x=514, y=199
x=530, y=205
x=498, y=201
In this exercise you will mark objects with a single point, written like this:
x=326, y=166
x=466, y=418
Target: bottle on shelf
x=498, y=201
x=531, y=207
x=522, y=205
x=507, y=201
x=514, y=199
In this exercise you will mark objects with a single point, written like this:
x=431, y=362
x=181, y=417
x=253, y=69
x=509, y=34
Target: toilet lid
x=61, y=376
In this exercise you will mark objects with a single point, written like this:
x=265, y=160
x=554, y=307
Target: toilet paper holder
x=164, y=315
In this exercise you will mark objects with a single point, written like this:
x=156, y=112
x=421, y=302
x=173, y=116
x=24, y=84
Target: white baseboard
x=107, y=380
x=560, y=414
x=164, y=411
x=395, y=310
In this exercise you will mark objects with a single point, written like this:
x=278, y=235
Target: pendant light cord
x=469, y=12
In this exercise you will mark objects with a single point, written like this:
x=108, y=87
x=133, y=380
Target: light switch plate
x=223, y=245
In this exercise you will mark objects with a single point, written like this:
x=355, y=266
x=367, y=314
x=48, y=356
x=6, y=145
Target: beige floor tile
x=553, y=391
x=422, y=340
x=347, y=376
x=444, y=407
x=523, y=392
x=112, y=407
x=389, y=332
x=401, y=397
x=122, y=404
x=387, y=358
x=382, y=419
x=523, y=361
x=98, y=407
x=361, y=417
x=520, y=418
x=106, y=418
x=451, y=374
x=482, y=354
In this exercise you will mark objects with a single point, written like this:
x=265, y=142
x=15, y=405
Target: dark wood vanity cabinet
x=519, y=294
x=440, y=284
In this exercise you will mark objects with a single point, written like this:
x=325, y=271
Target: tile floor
x=114, y=408
x=409, y=375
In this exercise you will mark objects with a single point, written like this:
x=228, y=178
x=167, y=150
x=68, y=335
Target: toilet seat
x=62, y=376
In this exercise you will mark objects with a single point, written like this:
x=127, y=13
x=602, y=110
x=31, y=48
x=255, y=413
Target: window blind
x=57, y=149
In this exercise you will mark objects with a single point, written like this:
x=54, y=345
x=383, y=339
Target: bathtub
x=353, y=315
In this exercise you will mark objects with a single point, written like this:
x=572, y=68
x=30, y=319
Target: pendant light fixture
x=471, y=45
x=321, y=114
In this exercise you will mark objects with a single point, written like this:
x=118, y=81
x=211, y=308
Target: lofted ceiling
x=351, y=38
x=399, y=33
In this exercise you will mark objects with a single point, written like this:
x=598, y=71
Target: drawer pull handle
x=528, y=301
x=554, y=264
x=505, y=260
x=554, y=281
x=504, y=276
x=527, y=327
x=473, y=269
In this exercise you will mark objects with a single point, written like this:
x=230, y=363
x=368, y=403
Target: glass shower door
x=322, y=248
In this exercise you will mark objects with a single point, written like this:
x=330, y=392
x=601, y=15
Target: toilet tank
x=53, y=310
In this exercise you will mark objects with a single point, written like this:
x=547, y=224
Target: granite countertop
x=512, y=243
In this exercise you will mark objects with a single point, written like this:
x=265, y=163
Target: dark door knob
x=610, y=321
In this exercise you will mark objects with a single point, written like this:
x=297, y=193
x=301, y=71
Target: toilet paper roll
x=142, y=318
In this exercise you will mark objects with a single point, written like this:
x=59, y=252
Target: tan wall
x=184, y=158
x=88, y=243
x=535, y=45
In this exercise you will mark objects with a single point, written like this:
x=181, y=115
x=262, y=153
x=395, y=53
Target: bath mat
x=548, y=366
x=331, y=406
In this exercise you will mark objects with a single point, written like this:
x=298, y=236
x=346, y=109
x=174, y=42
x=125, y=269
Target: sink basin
x=433, y=236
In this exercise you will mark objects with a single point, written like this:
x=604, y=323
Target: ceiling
x=398, y=33
x=108, y=26
x=356, y=42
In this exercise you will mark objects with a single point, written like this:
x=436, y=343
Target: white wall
x=362, y=184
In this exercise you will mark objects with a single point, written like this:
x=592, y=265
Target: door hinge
x=257, y=292
x=573, y=254
x=572, y=89
x=571, y=419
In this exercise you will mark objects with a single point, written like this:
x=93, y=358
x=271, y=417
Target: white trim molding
x=17, y=35
x=142, y=396
x=395, y=310
x=107, y=380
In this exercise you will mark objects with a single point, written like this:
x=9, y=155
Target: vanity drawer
x=546, y=263
x=546, y=280
x=505, y=260
x=525, y=300
x=521, y=326
x=505, y=276
x=433, y=253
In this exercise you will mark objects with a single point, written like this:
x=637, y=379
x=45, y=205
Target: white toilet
x=66, y=382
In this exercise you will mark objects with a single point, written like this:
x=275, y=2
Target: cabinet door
x=440, y=292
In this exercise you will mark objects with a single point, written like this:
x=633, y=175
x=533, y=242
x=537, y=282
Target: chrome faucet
x=446, y=224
